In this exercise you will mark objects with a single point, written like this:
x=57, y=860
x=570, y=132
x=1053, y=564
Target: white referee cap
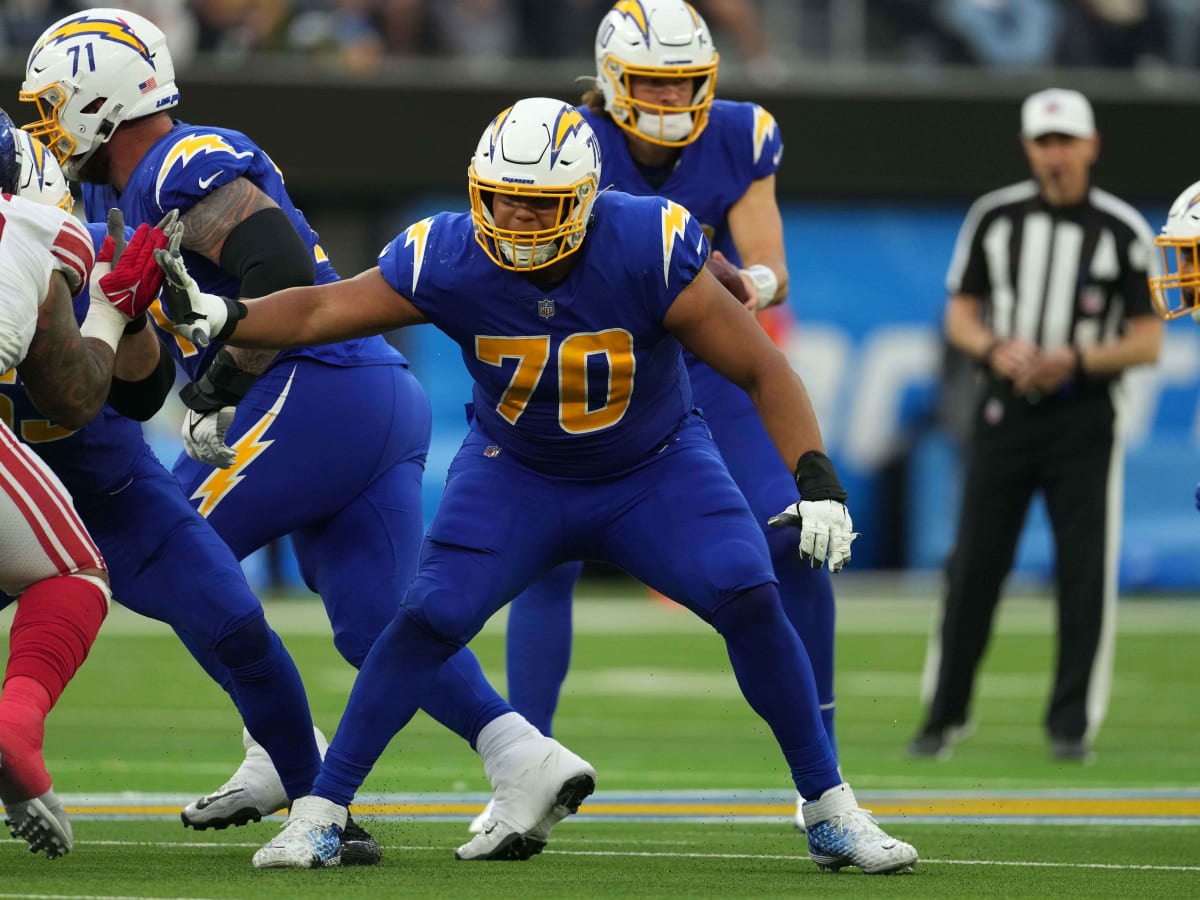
x=1057, y=111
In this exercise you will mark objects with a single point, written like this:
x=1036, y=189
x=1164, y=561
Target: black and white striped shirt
x=1054, y=275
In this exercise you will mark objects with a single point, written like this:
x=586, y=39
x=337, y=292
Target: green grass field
x=652, y=703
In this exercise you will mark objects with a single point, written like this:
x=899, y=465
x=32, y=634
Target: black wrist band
x=222, y=384
x=235, y=311
x=817, y=479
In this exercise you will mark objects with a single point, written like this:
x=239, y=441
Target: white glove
x=195, y=315
x=204, y=436
x=826, y=531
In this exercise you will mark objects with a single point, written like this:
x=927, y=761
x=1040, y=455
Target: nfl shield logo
x=545, y=308
x=491, y=451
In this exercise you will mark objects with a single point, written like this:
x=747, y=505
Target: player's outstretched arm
x=713, y=326
x=294, y=317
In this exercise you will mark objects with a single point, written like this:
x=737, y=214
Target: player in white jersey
x=47, y=559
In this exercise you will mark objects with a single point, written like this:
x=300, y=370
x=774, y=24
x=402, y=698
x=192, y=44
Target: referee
x=1048, y=292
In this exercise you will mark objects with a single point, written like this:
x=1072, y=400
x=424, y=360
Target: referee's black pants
x=1064, y=446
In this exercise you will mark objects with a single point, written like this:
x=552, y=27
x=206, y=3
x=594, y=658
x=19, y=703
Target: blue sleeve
x=684, y=249
x=402, y=260
x=768, y=143
x=195, y=166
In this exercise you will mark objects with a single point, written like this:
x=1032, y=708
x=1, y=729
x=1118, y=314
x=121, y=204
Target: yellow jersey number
x=577, y=412
x=33, y=431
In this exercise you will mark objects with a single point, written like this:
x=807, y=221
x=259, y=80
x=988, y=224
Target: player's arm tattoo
x=209, y=222
x=253, y=361
x=66, y=376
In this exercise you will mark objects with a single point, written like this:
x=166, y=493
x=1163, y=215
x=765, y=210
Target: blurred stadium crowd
x=762, y=37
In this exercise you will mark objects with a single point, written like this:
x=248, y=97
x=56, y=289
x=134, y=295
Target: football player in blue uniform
x=104, y=86
x=119, y=486
x=570, y=307
x=662, y=133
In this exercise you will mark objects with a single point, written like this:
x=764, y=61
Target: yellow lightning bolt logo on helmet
x=497, y=125
x=764, y=127
x=249, y=447
x=570, y=120
x=674, y=224
x=189, y=147
x=106, y=29
x=418, y=234
x=633, y=9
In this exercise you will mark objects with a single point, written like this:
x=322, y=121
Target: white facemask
x=523, y=255
x=669, y=127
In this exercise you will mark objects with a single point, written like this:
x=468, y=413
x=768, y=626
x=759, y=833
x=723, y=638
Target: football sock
x=807, y=597
x=538, y=645
x=500, y=734
x=52, y=631
x=775, y=676
x=271, y=699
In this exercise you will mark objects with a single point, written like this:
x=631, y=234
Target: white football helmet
x=656, y=39
x=538, y=148
x=41, y=179
x=1177, y=291
x=91, y=71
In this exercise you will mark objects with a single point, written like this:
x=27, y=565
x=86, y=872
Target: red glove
x=134, y=281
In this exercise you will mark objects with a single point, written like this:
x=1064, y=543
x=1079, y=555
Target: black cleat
x=358, y=847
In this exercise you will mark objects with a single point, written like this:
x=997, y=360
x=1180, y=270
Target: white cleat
x=252, y=792
x=842, y=834
x=42, y=823
x=799, y=816
x=476, y=825
x=537, y=784
x=311, y=838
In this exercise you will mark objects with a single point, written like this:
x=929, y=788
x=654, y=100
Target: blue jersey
x=180, y=170
x=97, y=458
x=740, y=145
x=580, y=379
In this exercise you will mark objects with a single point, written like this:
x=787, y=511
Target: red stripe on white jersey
x=46, y=509
x=73, y=246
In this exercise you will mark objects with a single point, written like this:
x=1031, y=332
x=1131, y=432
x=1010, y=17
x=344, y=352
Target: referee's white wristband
x=104, y=322
x=764, y=279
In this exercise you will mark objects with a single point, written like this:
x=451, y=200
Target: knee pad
x=247, y=644
x=759, y=606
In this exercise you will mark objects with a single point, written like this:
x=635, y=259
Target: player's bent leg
x=842, y=834
x=253, y=791
x=537, y=781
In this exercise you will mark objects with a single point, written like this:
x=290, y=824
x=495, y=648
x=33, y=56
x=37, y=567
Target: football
x=728, y=274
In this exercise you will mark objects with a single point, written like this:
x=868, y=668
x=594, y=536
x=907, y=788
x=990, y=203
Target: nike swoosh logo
x=205, y=182
x=205, y=802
